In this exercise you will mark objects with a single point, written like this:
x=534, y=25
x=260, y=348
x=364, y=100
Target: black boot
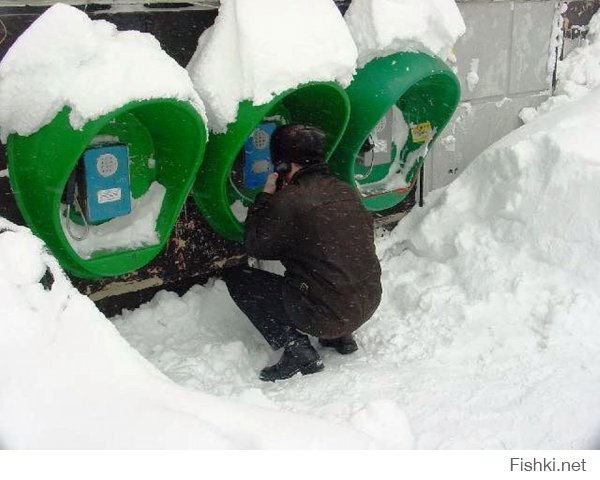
x=298, y=357
x=344, y=345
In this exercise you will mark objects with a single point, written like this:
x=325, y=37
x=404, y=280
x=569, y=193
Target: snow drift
x=486, y=336
x=69, y=380
x=487, y=332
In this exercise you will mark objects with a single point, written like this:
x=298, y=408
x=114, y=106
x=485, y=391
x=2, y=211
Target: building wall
x=508, y=45
x=514, y=45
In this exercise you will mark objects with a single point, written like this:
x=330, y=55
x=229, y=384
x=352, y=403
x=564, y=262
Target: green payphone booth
x=237, y=162
x=107, y=178
x=399, y=105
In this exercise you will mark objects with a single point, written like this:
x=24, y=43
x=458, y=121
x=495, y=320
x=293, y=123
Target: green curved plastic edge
x=320, y=103
x=40, y=165
x=424, y=89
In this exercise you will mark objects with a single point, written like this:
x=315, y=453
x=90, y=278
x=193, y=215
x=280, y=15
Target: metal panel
x=486, y=47
x=532, y=30
x=473, y=128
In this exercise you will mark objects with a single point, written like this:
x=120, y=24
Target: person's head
x=297, y=144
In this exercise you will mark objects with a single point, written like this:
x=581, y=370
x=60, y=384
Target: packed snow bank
x=576, y=75
x=69, y=380
x=383, y=27
x=487, y=334
x=503, y=270
x=66, y=59
x=257, y=49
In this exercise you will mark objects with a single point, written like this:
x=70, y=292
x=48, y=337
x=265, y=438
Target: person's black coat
x=317, y=227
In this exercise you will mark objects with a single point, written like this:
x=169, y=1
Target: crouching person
x=317, y=227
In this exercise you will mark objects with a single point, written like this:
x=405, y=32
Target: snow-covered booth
x=105, y=135
x=255, y=74
x=401, y=97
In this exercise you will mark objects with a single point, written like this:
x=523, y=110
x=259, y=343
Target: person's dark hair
x=301, y=144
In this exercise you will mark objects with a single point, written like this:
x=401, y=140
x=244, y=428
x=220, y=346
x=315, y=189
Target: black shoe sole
x=340, y=350
x=346, y=351
x=304, y=370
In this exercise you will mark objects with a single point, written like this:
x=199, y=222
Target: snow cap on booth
x=257, y=49
x=383, y=27
x=65, y=59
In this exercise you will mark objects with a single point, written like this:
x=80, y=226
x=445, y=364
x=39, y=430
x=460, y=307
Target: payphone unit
x=396, y=146
x=106, y=180
x=99, y=187
x=257, y=156
x=253, y=164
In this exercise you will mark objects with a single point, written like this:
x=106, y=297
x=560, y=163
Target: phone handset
x=282, y=169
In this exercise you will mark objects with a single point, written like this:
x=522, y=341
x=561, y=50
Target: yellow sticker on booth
x=421, y=132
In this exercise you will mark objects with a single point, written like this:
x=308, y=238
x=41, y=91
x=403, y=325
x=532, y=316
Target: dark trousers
x=259, y=295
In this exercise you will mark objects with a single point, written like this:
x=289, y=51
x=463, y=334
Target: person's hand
x=271, y=183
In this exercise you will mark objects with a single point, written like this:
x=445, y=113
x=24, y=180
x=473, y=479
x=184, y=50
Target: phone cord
x=368, y=174
x=69, y=221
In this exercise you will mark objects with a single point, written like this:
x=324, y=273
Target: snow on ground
x=247, y=55
x=432, y=27
x=487, y=333
x=69, y=380
x=486, y=336
x=66, y=59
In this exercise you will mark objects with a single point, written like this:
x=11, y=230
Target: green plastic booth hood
x=322, y=104
x=168, y=131
x=422, y=86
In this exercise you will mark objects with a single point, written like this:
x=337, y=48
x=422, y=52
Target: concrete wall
x=508, y=44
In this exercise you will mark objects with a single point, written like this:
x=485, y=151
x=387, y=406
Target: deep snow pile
x=487, y=333
x=382, y=27
x=486, y=336
x=257, y=49
x=69, y=380
x=66, y=59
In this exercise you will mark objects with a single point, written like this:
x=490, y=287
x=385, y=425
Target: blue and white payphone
x=106, y=182
x=257, y=156
x=99, y=188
